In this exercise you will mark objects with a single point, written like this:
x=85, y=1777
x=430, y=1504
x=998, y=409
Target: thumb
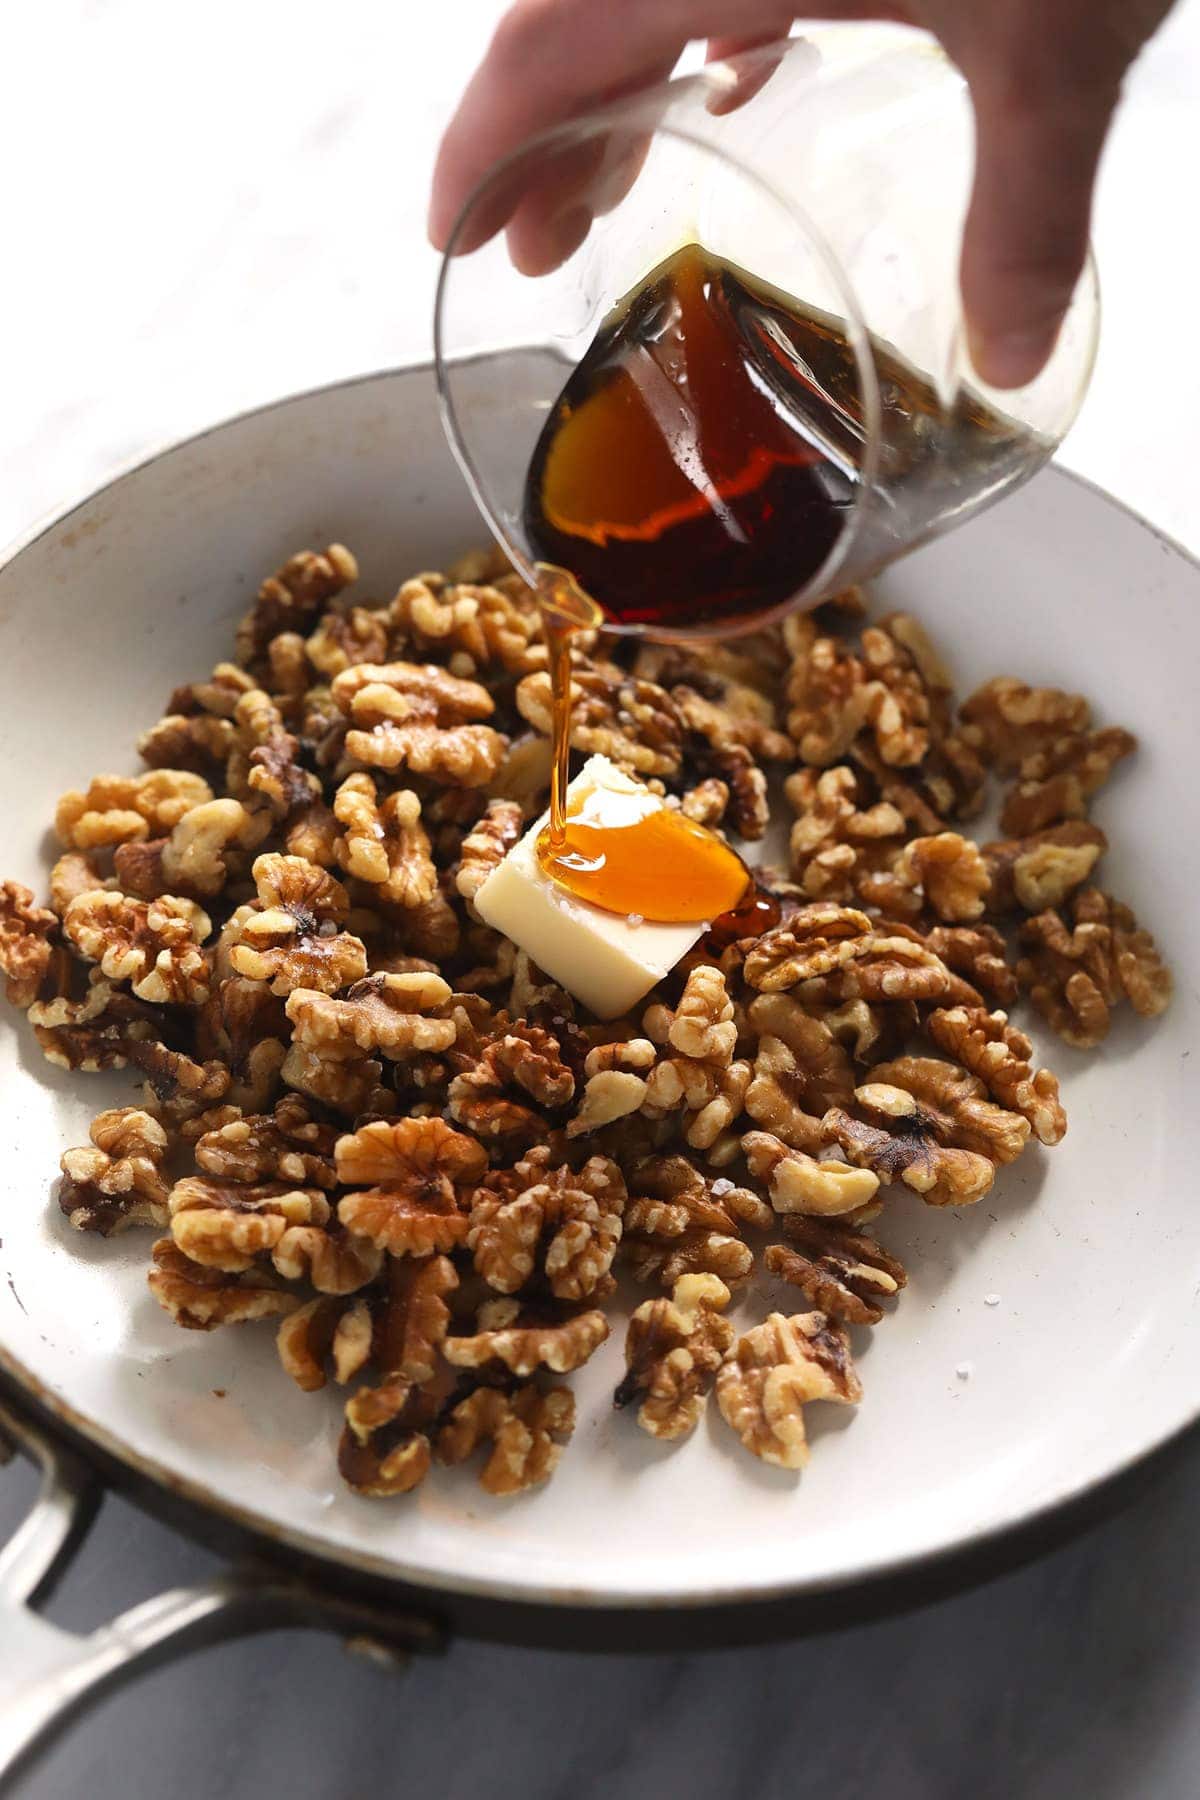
x=1026, y=233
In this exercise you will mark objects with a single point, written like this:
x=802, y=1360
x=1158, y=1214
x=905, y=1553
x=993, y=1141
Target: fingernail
x=1011, y=359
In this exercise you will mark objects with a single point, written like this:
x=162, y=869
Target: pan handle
x=47, y=1675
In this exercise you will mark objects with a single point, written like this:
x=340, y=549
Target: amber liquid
x=700, y=468
x=705, y=457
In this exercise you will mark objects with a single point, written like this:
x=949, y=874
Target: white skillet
x=1085, y=1361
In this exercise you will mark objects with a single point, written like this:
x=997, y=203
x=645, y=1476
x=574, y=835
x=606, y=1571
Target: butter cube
x=604, y=959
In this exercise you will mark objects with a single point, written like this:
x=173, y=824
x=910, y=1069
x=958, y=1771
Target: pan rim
x=269, y=1531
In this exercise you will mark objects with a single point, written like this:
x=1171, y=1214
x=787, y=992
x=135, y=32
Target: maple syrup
x=705, y=457
x=642, y=859
x=698, y=469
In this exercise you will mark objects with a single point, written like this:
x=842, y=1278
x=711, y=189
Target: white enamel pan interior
x=1048, y=1338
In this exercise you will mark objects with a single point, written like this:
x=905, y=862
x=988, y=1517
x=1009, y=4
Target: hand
x=1045, y=77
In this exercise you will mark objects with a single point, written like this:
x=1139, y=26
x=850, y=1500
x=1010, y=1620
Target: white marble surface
x=206, y=206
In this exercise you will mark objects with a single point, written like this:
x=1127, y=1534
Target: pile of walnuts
x=371, y=1119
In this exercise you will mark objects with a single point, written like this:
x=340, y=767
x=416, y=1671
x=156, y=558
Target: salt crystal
x=991, y=1299
x=965, y=1370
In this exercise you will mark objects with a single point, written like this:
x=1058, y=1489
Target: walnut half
x=673, y=1349
x=765, y=1383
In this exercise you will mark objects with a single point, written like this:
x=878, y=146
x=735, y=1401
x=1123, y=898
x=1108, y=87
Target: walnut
x=719, y=696
x=615, y=1085
x=322, y=729
x=532, y=988
x=673, y=1349
x=290, y=598
x=95, y=1032
x=385, y=1448
x=1057, y=781
x=814, y=941
x=383, y=1013
x=413, y=715
x=118, y=809
x=749, y=811
x=949, y=1102
x=800, y=1183
x=177, y=1087
x=524, y=775
x=523, y=1339
x=332, y=1261
x=698, y=1074
x=945, y=873
x=525, y=1057
x=154, y=945
x=681, y=1222
x=198, y=743
x=978, y=953
x=728, y=748
x=952, y=779
x=907, y=1151
x=867, y=1033
x=431, y=930
x=840, y=1272
x=336, y=1328
x=1039, y=871
x=999, y=1055
x=613, y=713
x=378, y=693
x=827, y=694
x=289, y=673
x=674, y=1195
x=899, y=709
x=243, y=1025
x=800, y=1070
x=893, y=965
x=490, y=958
x=342, y=639
x=463, y=755
x=921, y=801
x=286, y=1145
x=73, y=874
x=227, y=1225
x=1007, y=721
x=563, y=1221
x=264, y=761
x=26, y=933
x=118, y=1182
x=399, y=1329
x=836, y=837
x=1076, y=972
x=413, y=1318
x=913, y=645
x=314, y=834
x=195, y=856
x=765, y=1383
x=420, y=1169
x=523, y=1426
x=476, y=626
x=351, y=1086
x=487, y=844
x=292, y=942
x=706, y=803
x=191, y=1130
x=385, y=843
x=215, y=698
x=200, y=1298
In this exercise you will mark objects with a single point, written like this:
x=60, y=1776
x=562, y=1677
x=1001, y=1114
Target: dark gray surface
x=1079, y=1676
